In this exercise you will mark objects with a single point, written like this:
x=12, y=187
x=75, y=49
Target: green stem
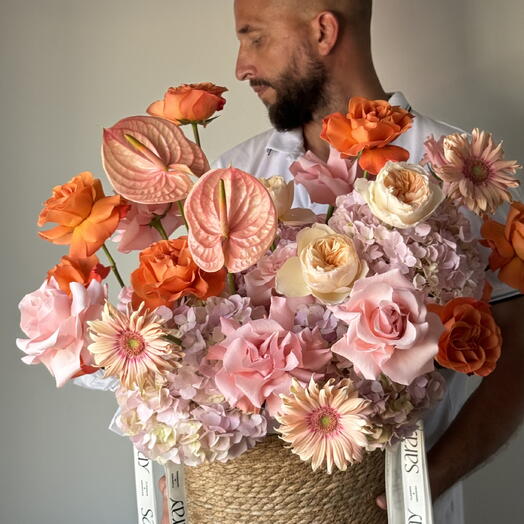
x=157, y=224
x=231, y=283
x=173, y=339
x=194, y=125
x=181, y=209
x=112, y=263
x=330, y=211
x=365, y=175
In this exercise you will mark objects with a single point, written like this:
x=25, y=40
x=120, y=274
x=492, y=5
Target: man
x=305, y=59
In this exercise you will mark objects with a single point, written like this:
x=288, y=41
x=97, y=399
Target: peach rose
x=167, y=272
x=471, y=342
x=402, y=194
x=507, y=243
x=86, y=218
x=326, y=266
x=368, y=128
x=81, y=270
x=189, y=103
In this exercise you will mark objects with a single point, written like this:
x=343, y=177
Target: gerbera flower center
x=324, y=420
x=476, y=171
x=131, y=343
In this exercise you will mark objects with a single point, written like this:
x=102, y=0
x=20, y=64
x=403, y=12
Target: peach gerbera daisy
x=475, y=172
x=132, y=346
x=324, y=424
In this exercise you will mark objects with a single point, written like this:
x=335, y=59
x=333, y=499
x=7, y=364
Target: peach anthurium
x=149, y=160
x=232, y=220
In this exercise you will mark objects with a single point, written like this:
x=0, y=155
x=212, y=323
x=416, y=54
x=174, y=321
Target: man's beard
x=298, y=96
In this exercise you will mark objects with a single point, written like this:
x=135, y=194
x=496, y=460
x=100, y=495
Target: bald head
x=350, y=13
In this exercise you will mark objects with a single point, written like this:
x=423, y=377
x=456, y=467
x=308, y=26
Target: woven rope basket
x=271, y=485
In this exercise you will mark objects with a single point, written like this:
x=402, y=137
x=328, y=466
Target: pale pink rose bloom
x=260, y=282
x=134, y=231
x=56, y=325
x=259, y=359
x=390, y=330
x=325, y=181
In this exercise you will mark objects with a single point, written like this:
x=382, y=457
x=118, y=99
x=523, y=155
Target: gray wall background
x=70, y=67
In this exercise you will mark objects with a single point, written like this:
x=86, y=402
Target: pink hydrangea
x=56, y=325
x=390, y=330
x=438, y=256
x=315, y=316
x=325, y=181
x=166, y=427
x=134, y=232
x=258, y=359
x=394, y=409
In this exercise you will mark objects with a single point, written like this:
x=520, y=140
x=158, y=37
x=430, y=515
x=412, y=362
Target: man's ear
x=326, y=27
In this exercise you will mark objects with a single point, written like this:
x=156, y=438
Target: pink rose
x=390, y=330
x=325, y=182
x=259, y=358
x=260, y=282
x=134, y=231
x=56, y=325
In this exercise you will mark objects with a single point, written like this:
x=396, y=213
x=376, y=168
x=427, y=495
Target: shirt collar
x=292, y=142
x=398, y=99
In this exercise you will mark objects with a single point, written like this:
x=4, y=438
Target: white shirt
x=271, y=153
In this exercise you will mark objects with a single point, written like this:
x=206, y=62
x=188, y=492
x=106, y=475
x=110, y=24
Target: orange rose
x=167, y=272
x=507, y=243
x=368, y=128
x=86, y=218
x=471, y=342
x=81, y=270
x=189, y=103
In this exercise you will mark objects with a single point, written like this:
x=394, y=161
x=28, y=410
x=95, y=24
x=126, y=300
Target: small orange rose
x=507, y=244
x=368, y=128
x=81, y=270
x=167, y=272
x=471, y=342
x=86, y=218
x=189, y=103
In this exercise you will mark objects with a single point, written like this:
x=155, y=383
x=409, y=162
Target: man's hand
x=163, y=489
x=381, y=502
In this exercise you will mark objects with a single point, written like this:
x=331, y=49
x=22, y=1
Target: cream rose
x=283, y=193
x=326, y=266
x=402, y=195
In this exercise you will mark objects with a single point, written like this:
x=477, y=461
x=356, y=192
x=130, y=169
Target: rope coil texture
x=271, y=485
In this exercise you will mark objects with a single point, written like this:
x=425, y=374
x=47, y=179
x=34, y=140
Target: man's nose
x=244, y=69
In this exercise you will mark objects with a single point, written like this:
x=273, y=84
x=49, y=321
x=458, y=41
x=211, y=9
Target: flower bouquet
x=255, y=341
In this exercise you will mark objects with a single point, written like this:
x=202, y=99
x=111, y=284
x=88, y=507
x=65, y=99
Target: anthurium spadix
x=232, y=220
x=149, y=160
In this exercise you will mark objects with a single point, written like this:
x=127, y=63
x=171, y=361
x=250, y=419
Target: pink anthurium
x=149, y=160
x=232, y=220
